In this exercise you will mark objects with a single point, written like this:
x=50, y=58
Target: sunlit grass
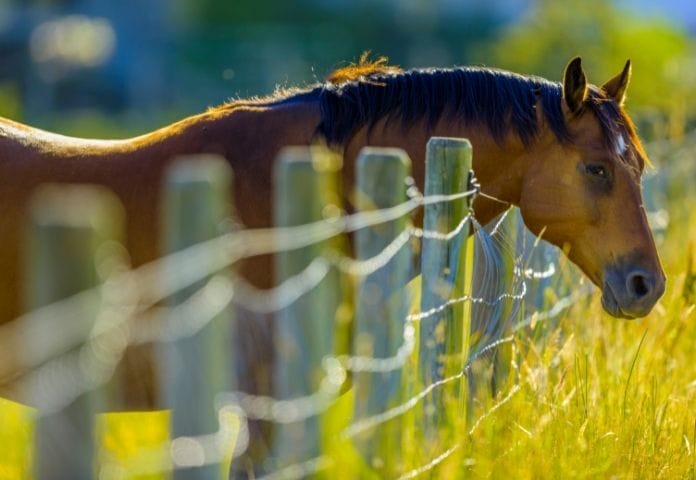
x=606, y=399
x=601, y=397
x=590, y=396
x=133, y=445
x=16, y=440
x=128, y=445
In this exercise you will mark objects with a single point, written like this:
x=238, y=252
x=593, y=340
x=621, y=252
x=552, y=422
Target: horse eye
x=596, y=171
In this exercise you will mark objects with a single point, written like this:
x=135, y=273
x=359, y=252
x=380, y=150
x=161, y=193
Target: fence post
x=381, y=300
x=71, y=228
x=306, y=190
x=196, y=367
x=444, y=336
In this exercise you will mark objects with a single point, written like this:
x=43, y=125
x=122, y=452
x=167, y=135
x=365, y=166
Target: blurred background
x=117, y=68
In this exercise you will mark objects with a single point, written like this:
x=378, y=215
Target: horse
x=567, y=154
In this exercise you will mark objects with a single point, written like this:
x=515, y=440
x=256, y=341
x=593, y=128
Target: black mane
x=500, y=100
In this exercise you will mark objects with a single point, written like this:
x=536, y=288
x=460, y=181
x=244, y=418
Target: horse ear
x=574, y=85
x=616, y=87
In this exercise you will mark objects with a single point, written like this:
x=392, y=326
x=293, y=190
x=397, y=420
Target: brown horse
x=566, y=154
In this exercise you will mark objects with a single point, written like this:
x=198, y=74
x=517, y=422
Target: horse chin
x=611, y=305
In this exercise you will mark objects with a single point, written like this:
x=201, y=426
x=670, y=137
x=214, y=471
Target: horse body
x=134, y=170
x=550, y=149
x=249, y=137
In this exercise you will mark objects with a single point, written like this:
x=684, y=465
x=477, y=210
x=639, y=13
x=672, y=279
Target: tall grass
x=601, y=397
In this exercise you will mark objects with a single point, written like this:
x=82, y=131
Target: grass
x=601, y=397
x=16, y=437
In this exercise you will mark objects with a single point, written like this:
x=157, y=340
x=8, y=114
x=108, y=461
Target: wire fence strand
x=129, y=315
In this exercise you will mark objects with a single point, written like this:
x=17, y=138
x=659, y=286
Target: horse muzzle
x=630, y=291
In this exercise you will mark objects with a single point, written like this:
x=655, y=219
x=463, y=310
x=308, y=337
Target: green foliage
x=261, y=45
x=10, y=103
x=239, y=12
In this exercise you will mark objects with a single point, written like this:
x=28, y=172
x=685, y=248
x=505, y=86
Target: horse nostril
x=638, y=285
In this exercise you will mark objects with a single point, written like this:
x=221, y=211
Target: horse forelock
x=617, y=128
x=640, y=154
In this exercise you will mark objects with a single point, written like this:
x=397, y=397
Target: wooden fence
x=371, y=352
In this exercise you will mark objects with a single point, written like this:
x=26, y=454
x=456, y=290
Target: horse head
x=584, y=195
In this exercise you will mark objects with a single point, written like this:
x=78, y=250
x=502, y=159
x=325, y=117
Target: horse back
x=134, y=169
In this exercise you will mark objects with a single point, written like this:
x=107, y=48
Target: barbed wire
x=292, y=410
x=171, y=324
x=418, y=471
x=307, y=468
x=193, y=265
x=296, y=408
x=114, y=331
x=129, y=297
x=238, y=245
x=280, y=415
x=314, y=465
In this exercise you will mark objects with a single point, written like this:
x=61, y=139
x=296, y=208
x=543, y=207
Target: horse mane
x=362, y=94
x=363, y=70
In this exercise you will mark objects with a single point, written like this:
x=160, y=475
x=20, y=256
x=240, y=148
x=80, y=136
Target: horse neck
x=292, y=123
x=499, y=166
x=250, y=137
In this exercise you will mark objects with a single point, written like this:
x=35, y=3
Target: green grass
x=16, y=438
x=601, y=397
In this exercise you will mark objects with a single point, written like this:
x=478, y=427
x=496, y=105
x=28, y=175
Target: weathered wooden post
x=306, y=190
x=196, y=207
x=381, y=301
x=444, y=336
x=70, y=228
